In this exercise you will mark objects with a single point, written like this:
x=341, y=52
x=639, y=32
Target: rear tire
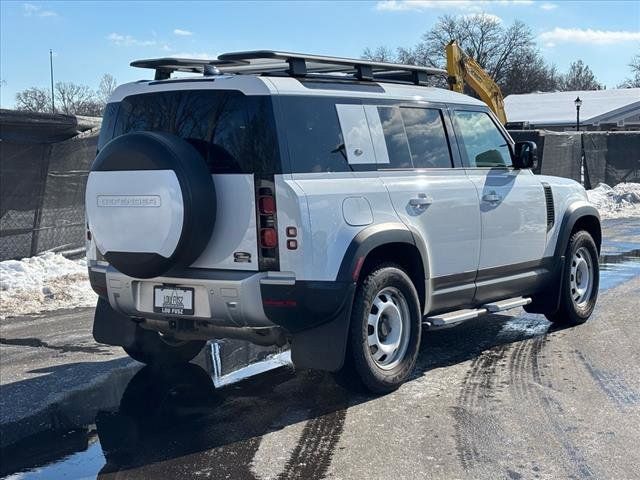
x=580, y=281
x=385, y=330
x=152, y=348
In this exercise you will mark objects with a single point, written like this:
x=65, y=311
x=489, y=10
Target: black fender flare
x=571, y=216
x=324, y=346
x=548, y=301
x=375, y=236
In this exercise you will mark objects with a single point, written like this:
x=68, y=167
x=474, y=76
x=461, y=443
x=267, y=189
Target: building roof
x=557, y=108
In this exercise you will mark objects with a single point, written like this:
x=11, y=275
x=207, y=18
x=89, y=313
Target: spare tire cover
x=151, y=203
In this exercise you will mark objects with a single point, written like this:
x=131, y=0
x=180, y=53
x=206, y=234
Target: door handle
x=421, y=201
x=491, y=197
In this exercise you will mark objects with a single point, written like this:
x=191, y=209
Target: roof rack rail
x=266, y=62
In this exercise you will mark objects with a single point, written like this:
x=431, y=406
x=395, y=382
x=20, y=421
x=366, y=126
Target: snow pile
x=46, y=282
x=623, y=200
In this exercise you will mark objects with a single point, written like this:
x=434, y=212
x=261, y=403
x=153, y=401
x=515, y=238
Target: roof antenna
x=211, y=70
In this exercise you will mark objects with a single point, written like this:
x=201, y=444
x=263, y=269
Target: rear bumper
x=231, y=298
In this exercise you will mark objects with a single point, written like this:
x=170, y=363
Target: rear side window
x=314, y=136
x=395, y=138
x=483, y=143
x=233, y=132
x=427, y=138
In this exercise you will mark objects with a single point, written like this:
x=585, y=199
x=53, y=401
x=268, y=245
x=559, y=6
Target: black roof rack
x=265, y=62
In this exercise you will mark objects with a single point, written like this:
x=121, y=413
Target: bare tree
x=634, y=81
x=71, y=98
x=499, y=49
x=530, y=73
x=380, y=54
x=107, y=85
x=579, y=77
x=33, y=99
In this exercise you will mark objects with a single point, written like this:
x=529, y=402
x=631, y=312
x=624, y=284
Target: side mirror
x=526, y=155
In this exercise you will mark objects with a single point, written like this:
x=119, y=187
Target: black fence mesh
x=42, y=183
x=612, y=157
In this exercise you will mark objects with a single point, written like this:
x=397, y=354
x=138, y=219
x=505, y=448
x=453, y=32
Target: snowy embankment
x=623, y=200
x=46, y=282
x=50, y=281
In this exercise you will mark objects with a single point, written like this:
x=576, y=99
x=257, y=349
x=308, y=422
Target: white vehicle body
x=468, y=233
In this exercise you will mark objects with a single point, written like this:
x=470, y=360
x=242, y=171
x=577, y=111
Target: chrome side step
x=450, y=319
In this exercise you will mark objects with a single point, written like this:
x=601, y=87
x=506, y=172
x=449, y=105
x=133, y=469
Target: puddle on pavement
x=618, y=268
x=186, y=402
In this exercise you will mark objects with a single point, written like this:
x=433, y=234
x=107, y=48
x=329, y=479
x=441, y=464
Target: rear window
x=233, y=132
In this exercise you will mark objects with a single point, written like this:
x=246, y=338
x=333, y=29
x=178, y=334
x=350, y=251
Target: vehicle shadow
x=172, y=421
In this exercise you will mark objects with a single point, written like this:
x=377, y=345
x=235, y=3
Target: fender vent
x=551, y=211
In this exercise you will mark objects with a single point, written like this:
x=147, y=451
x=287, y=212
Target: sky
x=92, y=38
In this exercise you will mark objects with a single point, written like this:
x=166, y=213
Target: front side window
x=483, y=143
x=427, y=138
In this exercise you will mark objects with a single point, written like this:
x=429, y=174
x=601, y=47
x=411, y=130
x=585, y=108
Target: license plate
x=173, y=300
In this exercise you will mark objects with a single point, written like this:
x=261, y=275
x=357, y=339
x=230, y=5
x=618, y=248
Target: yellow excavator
x=463, y=69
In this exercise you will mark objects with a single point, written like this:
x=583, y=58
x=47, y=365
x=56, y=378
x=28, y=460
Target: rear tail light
x=267, y=205
x=268, y=238
x=267, y=225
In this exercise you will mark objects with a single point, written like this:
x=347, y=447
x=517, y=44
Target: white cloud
x=487, y=16
x=468, y=5
x=31, y=10
x=597, y=37
x=128, y=41
x=182, y=33
x=548, y=6
x=194, y=55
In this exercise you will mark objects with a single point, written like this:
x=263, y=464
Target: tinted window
x=395, y=138
x=484, y=145
x=314, y=135
x=233, y=132
x=427, y=138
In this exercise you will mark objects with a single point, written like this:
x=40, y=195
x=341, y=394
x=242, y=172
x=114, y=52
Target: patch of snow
x=43, y=283
x=623, y=200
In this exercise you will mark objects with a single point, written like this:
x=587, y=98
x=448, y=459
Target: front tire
x=152, y=348
x=580, y=281
x=385, y=330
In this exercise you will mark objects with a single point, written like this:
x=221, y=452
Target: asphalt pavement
x=505, y=396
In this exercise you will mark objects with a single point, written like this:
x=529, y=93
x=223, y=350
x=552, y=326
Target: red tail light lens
x=268, y=238
x=267, y=205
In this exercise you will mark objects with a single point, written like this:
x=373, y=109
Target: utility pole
x=53, y=102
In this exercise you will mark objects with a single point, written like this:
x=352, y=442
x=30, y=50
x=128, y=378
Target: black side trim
x=499, y=273
x=452, y=281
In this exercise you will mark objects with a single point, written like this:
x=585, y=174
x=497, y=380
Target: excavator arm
x=463, y=69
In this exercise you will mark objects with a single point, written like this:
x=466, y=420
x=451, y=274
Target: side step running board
x=450, y=319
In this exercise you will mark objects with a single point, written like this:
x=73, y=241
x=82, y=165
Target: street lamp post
x=578, y=104
x=53, y=101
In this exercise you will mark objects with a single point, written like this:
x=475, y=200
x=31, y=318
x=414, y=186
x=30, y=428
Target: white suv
x=337, y=206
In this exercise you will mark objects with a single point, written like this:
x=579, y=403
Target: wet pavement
x=505, y=396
